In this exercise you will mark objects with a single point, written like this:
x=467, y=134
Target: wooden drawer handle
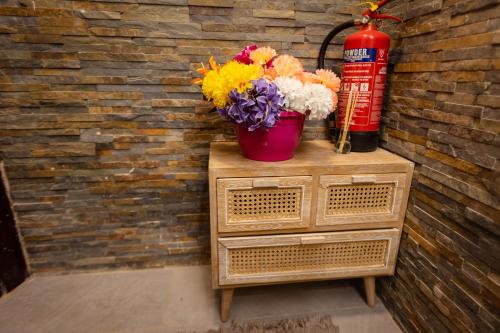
x=312, y=240
x=266, y=183
x=356, y=179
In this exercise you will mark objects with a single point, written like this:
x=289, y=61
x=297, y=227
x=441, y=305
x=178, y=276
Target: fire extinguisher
x=364, y=70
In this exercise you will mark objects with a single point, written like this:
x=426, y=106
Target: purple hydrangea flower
x=257, y=107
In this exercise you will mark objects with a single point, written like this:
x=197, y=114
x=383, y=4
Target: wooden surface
x=265, y=222
x=319, y=273
x=397, y=180
x=317, y=153
x=225, y=303
x=369, y=283
x=317, y=168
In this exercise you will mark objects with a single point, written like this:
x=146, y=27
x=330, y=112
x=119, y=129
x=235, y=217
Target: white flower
x=319, y=100
x=299, y=97
x=293, y=91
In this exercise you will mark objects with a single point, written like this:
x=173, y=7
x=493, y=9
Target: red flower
x=244, y=56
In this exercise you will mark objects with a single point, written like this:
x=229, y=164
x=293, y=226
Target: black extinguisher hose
x=328, y=39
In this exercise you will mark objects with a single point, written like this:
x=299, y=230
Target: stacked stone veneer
x=106, y=142
x=104, y=137
x=442, y=113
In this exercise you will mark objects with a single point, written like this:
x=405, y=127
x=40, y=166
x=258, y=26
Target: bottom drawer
x=302, y=257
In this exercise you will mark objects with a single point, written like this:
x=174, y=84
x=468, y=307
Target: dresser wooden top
x=316, y=153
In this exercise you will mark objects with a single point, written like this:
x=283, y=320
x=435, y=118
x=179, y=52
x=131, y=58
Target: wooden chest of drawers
x=318, y=216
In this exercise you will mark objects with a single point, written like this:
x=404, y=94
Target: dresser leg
x=225, y=304
x=370, y=290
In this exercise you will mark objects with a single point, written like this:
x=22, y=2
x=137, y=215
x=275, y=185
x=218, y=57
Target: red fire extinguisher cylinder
x=364, y=70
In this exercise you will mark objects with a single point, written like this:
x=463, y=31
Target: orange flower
x=286, y=65
x=307, y=77
x=329, y=79
x=269, y=73
x=203, y=70
x=197, y=80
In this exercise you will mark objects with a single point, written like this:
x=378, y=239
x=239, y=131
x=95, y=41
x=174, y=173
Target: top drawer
x=266, y=203
x=362, y=198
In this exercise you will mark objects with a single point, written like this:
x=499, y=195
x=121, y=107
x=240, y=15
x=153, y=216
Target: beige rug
x=306, y=324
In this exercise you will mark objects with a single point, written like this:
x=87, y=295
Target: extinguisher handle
x=384, y=16
x=374, y=6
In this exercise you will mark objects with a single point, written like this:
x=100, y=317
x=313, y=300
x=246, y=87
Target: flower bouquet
x=267, y=96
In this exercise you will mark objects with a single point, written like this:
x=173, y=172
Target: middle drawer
x=265, y=203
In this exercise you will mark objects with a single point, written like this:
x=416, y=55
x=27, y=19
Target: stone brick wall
x=104, y=137
x=442, y=113
x=106, y=142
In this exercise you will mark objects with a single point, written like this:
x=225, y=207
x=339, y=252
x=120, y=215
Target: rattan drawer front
x=348, y=199
x=259, y=259
x=266, y=203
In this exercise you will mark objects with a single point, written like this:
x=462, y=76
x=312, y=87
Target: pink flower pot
x=272, y=144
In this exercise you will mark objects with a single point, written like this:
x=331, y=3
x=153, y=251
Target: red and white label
x=364, y=71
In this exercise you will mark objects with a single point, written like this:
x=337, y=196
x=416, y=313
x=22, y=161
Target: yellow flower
x=262, y=55
x=239, y=75
x=213, y=88
x=219, y=82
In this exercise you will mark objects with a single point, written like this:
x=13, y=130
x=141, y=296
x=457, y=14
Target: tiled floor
x=172, y=300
